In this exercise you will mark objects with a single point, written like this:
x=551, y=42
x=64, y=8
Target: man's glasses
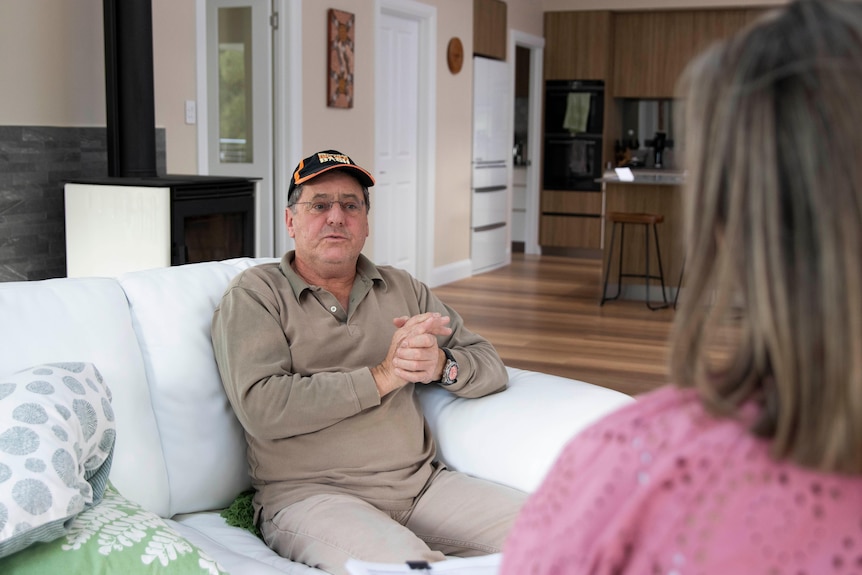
x=349, y=207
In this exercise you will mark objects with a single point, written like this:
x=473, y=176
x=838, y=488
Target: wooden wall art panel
x=341, y=37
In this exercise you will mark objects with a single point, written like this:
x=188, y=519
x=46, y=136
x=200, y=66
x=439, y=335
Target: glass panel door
x=239, y=103
x=235, y=80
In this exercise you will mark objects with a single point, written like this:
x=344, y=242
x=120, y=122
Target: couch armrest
x=514, y=437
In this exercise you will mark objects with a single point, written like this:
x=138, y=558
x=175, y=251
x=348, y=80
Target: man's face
x=334, y=236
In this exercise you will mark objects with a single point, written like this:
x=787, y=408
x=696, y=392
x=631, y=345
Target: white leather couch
x=180, y=452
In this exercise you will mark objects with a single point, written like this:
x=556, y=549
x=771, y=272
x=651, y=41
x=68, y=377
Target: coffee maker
x=659, y=143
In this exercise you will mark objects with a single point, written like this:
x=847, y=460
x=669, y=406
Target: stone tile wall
x=35, y=163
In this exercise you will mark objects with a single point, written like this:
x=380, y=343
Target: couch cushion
x=115, y=536
x=514, y=437
x=57, y=435
x=87, y=320
x=203, y=443
x=236, y=549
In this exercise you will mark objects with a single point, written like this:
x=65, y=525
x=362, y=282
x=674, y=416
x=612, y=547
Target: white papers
x=484, y=565
x=625, y=174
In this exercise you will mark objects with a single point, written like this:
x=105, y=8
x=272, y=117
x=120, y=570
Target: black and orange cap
x=322, y=162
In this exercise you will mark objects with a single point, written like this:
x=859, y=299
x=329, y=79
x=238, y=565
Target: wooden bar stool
x=622, y=219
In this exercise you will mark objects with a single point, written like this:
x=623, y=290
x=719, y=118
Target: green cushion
x=115, y=536
x=241, y=513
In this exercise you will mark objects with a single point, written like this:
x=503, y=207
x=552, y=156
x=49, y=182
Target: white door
x=239, y=102
x=532, y=203
x=395, y=198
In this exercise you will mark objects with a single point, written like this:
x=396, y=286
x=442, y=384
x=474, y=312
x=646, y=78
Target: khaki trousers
x=456, y=515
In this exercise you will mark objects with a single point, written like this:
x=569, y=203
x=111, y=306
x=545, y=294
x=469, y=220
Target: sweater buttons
x=333, y=309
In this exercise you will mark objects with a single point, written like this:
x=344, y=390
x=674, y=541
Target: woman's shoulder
x=668, y=407
x=648, y=437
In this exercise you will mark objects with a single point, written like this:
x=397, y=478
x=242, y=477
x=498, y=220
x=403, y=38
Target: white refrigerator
x=493, y=103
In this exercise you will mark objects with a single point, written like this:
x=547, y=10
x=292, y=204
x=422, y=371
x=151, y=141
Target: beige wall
x=454, y=136
x=174, y=81
x=350, y=130
x=525, y=16
x=52, y=66
x=52, y=63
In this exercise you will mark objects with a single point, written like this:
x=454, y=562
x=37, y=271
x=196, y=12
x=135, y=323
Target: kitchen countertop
x=647, y=177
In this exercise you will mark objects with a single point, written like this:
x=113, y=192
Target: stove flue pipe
x=130, y=98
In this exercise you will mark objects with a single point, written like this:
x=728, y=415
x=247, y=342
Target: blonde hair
x=771, y=310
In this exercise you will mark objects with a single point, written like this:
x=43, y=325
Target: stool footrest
x=635, y=218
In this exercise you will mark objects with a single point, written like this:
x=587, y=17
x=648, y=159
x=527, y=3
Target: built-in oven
x=573, y=163
x=574, y=120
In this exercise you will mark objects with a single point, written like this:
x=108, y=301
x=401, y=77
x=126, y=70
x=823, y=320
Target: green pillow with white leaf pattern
x=115, y=536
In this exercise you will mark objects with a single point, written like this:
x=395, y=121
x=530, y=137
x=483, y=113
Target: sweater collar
x=365, y=269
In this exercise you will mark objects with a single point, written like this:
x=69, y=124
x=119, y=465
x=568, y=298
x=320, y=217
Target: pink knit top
x=661, y=487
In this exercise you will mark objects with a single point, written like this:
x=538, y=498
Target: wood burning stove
x=136, y=218
x=116, y=225
x=212, y=220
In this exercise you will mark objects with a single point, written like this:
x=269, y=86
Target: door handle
x=489, y=227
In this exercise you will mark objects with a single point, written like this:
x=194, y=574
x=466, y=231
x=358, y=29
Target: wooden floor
x=542, y=313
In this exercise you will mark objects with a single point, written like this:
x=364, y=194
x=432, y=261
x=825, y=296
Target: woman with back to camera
x=752, y=462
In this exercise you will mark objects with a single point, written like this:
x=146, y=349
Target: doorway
x=529, y=51
x=248, y=121
x=405, y=84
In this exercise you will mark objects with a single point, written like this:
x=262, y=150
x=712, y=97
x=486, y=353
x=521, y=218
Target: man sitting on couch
x=319, y=355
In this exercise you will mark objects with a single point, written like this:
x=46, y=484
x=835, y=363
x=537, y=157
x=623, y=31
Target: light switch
x=191, y=112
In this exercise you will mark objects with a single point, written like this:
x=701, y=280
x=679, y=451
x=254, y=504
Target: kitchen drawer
x=572, y=202
x=490, y=248
x=571, y=232
x=489, y=207
x=489, y=175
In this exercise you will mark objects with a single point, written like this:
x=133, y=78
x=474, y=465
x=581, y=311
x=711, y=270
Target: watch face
x=451, y=371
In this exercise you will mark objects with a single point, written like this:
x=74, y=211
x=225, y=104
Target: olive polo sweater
x=297, y=371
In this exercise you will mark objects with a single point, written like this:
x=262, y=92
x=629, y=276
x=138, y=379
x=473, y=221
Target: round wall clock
x=455, y=55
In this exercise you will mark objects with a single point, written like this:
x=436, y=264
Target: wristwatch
x=450, y=368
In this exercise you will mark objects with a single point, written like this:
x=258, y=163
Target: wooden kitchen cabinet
x=570, y=202
x=489, y=28
x=714, y=25
x=577, y=45
x=583, y=232
x=571, y=219
x=651, y=49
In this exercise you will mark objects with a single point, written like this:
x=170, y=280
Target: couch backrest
x=179, y=446
x=71, y=320
x=201, y=441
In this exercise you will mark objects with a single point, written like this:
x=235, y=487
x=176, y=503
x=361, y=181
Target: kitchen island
x=652, y=191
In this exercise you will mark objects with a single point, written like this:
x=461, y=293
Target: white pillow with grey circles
x=57, y=433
